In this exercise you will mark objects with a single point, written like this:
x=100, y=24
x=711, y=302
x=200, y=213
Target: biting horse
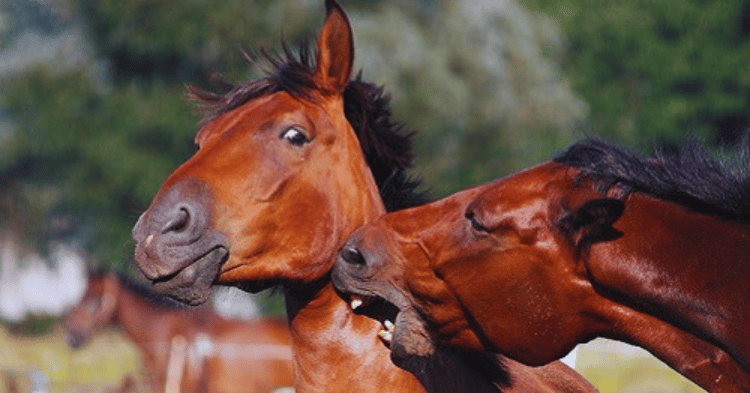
x=600, y=241
x=187, y=349
x=288, y=166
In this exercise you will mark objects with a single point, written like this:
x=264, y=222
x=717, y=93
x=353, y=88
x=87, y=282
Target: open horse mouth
x=403, y=330
x=175, y=246
x=372, y=306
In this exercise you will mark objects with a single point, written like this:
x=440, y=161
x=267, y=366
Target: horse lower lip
x=192, y=284
x=409, y=338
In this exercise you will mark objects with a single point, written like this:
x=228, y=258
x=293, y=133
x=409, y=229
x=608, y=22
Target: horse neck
x=136, y=318
x=337, y=350
x=333, y=348
x=674, y=262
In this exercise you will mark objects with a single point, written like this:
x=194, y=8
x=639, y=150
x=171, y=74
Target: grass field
x=98, y=366
x=619, y=368
x=105, y=361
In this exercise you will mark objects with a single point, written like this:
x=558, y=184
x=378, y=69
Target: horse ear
x=592, y=221
x=335, y=50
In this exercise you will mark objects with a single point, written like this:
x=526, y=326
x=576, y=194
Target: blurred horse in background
x=185, y=349
x=601, y=241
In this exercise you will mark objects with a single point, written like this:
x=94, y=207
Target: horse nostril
x=179, y=222
x=353, y=256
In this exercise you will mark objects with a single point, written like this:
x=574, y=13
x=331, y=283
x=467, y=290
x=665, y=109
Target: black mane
x=387, y=149
x=689, y=176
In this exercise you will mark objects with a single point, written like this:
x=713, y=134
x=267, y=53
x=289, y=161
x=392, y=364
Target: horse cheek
x=308, y=214
x=490, y=287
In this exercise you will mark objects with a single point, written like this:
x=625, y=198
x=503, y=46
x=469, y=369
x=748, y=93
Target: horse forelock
x=386, y=146
x=289, y=72
x=690, y=175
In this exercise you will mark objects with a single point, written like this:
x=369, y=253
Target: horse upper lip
x=176, y=231
x=157, y=261
x=166, y=276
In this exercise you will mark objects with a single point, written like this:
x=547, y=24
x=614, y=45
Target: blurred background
x=94, y=116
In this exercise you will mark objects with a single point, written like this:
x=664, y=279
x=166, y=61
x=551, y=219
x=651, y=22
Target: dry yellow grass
x=618, y=368
x=110, y=357
x=100, y=364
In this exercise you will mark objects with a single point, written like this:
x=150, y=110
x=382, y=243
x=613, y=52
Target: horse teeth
x=389, y=325
x=355, y=303
x=386, y=335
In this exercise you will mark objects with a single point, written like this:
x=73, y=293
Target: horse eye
x=475, y=222
x=294, y=136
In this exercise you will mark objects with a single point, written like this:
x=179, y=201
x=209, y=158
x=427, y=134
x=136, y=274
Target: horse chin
x=411, y=343
x=192, y=284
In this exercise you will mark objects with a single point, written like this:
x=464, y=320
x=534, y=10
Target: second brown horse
x=599, y=242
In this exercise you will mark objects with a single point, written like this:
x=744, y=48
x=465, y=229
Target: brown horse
x=185, y=349
x=288, y=167
x=599, y=242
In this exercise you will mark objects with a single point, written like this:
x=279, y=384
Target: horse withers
x=185, y=349
x=598, y=242
x=288, y=167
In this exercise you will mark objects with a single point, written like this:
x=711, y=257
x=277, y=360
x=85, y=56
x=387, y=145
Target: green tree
x=655, y=70
x=101, y=143
x=105, y=144
x=479, y=80
x=165, y=42
x=105, y=152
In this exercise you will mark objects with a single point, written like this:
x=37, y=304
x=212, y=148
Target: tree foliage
x=479, y=80
x=492, y=86
x=659, y=70
x=106, y=152
x=166, y=42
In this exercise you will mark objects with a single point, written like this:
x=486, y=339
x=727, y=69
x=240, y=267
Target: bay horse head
x=600, y=242
x=277, y=183
x=422, y=259
x=94, y=311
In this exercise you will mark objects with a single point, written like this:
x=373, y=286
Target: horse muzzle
x=75, y=339
x=176, y=248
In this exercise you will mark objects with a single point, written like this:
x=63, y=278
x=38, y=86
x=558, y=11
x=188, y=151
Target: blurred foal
x=185, y=349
